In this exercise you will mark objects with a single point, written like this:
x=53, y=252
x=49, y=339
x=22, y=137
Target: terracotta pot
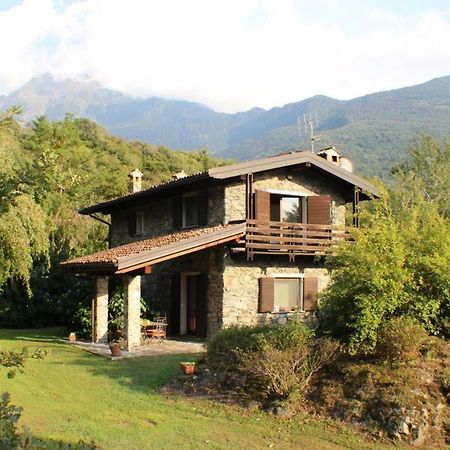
x=72, y=337
x=115, y=349
x=188, y=368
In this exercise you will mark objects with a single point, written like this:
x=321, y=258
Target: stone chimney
x=179, y=175
x=135, y=184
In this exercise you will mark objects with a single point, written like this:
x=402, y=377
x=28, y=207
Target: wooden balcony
x=292, y=239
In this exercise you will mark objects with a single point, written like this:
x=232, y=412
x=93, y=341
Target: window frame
x=300, y=300
x=302, y=198
x=140, y=223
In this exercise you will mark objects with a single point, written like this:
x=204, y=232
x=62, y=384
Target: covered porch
x=131, y=262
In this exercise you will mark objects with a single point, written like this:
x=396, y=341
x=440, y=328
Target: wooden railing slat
x=288, y=238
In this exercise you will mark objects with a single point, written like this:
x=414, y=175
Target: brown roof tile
x=145, y=249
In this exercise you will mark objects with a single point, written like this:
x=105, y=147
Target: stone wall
x=241, y=286
x=305, y=183
x=158, y=217
x=156, y=287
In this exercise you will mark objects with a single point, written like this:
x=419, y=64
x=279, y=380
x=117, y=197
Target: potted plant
x=114, y=342
x=188, y=367
x=72, y=337
x=115, y=348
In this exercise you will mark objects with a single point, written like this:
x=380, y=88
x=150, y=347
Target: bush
x=278, y=359
x=400, y=339
x=288, y=370
x=225, y=347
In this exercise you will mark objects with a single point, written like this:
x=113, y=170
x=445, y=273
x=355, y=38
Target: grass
x=73, y=395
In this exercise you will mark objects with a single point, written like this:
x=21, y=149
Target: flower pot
x=72, y=337
x=115, y=349
x=188, y=368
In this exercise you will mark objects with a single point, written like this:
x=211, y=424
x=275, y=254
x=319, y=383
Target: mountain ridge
x=374, y=129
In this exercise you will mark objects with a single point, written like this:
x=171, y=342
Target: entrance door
x=191, y=304
x=193, y=310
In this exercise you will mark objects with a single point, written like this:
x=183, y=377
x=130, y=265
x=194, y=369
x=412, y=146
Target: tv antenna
x=309, y=122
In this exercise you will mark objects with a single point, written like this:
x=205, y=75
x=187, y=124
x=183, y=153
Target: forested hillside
x=374, y=130
x=48, y=171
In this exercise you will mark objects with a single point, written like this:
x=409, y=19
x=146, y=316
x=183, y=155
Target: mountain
x=374, y=130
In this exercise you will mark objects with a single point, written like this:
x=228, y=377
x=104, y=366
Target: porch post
x=132, y=311
x=100, y=310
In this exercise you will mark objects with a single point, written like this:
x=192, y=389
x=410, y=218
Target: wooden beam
x=176, y=254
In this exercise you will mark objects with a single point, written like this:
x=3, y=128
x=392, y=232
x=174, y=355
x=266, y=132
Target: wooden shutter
x=266, y=294
x=174, y=315
x=177, y=207
x=201, y=290
x=202, y=208
x=319, y=209
x=262, y=205
x=132, y=223
x=310, y=290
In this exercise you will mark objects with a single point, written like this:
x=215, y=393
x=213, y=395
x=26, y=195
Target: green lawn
x=73, y=395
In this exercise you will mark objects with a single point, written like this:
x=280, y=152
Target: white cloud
x=231, y=55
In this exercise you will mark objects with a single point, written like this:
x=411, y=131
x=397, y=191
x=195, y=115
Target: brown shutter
x=177, y=206
x=132, y=223
x=310, y=290
x=266, y=294
x=319, y=209
x=262, y=206
x=203, y=208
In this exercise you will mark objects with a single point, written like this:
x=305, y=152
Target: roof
x=145, y=252
x=236, y=170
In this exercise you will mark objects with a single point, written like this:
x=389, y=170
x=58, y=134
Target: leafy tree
x=398, y=263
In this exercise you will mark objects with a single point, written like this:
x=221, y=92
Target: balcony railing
x=292, y=239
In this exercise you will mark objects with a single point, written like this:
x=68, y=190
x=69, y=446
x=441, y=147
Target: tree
x=399, y=261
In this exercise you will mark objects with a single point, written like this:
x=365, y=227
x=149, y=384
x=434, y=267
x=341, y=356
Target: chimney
x=330, y=154
x=179, y=175
x=135, y=181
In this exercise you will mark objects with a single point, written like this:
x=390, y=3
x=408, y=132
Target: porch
x=131, y=262
x=155, y=348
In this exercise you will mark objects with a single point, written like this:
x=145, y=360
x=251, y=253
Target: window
x=136, y=223
x=190, y=210
x=287, y=294
x=140, y=222
x=284, y=293
x=283, y=207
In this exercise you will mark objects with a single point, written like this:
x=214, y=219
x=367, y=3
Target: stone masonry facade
x=233, y=282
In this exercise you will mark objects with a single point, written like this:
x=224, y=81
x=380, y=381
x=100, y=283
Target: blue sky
x=231, y=55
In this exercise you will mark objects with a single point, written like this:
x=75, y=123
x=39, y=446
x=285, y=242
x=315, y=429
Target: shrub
x=225, y=347
x=400, y=339
x=289, y=369
x=278, y=360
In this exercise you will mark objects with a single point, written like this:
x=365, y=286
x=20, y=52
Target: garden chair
x=158, y=328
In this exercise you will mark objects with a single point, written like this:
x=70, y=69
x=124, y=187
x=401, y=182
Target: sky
x=232, y=55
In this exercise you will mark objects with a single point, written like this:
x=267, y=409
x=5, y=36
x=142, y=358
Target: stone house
x=235, y=245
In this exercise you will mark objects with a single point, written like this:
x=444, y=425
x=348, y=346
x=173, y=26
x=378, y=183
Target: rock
x=404, y=426
x=278, y=410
